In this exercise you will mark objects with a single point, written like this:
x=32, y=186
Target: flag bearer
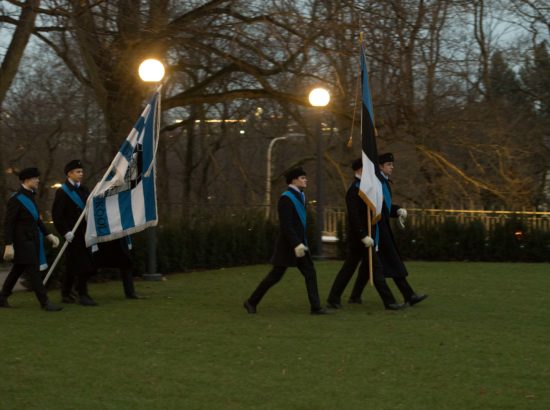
x=291, y=246
x=69, y=203
x=24, y=234
x=359, y=243
x=387, y=248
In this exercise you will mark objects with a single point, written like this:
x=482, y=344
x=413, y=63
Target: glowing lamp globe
x=319, y=97
x=151, y=70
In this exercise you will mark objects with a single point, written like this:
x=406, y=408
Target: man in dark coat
x=24, y=234
x=388, y=253
x=359, y=243
x=116, y=254
x=68, y=205
x=291, y=246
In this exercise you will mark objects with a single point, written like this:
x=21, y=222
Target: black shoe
x=4, y=302
x=50, y=307
x=321, y=311
x=396, y=306
x=86, y=300
x=135, y=296
x=68, y=299
x=357, y=301
x=250, y=308
x=417, y=299
x=334, y=305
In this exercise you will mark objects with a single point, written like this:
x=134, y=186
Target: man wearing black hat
x=388, y=253
x=68, y=205
x=24, y=234
x=291, y=246
x=359, y=243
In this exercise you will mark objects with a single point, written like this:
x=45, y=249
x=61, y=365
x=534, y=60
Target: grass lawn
x=480, y=341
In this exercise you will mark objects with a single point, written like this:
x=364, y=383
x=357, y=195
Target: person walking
x=24, y=234
x=116, y=254
x=389, y=255
x=359, y=242
x=68, y=205
x=291, y=248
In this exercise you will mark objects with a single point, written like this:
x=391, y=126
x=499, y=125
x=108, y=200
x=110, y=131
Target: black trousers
x=404, y=287
x=79, y=267
x=306, y=268
x=355, y=255
x=32, y=271
x=127, y=277
x=78, y=280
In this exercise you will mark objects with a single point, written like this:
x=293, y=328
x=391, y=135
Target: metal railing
x=428, y=216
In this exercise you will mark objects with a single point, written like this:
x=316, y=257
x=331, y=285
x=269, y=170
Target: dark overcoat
x=21, y=230
x=358, y=224
x=387, y=248
x=113, y=254
x=291, y=231
x=65, y=213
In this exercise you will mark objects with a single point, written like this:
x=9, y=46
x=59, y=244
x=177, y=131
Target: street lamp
x=269, y=170
x=151, y=71
x=319, y=97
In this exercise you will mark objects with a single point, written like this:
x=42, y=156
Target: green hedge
x=206, y=242
x=511, y=241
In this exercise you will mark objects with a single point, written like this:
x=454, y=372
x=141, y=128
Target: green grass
x=480, y=341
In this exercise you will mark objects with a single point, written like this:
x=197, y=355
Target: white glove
x=69, y=236
x=54, y=240
x=367, y=241
x=401, y=217
x=9, y=253
x=300, y=250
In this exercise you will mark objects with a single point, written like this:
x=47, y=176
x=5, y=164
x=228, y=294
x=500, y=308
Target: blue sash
x=300, y=209
x=71, y=193
x=387, y=195
x=33, y=210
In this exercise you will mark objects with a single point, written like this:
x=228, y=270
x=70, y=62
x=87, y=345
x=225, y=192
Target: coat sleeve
x=357, y=218
x=12, y=211
x=286, y=212
x=394, y=209
x=42, y=227
x=58, y=212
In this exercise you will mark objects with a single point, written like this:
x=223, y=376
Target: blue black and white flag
x=370, y=188
x=124, y=201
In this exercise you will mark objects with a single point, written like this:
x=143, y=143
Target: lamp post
x=319, y=97
x=268, y=176
x=151, y=71
x=269, y=170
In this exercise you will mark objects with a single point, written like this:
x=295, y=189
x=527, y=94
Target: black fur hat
x=29, y=173
x=387, y=157
x=294, y=173
x=74, y=164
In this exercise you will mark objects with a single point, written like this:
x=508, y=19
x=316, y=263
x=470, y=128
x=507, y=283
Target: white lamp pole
x=319, y=97
x=268, y=177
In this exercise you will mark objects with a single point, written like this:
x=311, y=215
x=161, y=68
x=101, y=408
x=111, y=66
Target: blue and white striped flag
x=124, y=201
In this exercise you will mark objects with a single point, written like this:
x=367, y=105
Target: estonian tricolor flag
x=370, y=188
